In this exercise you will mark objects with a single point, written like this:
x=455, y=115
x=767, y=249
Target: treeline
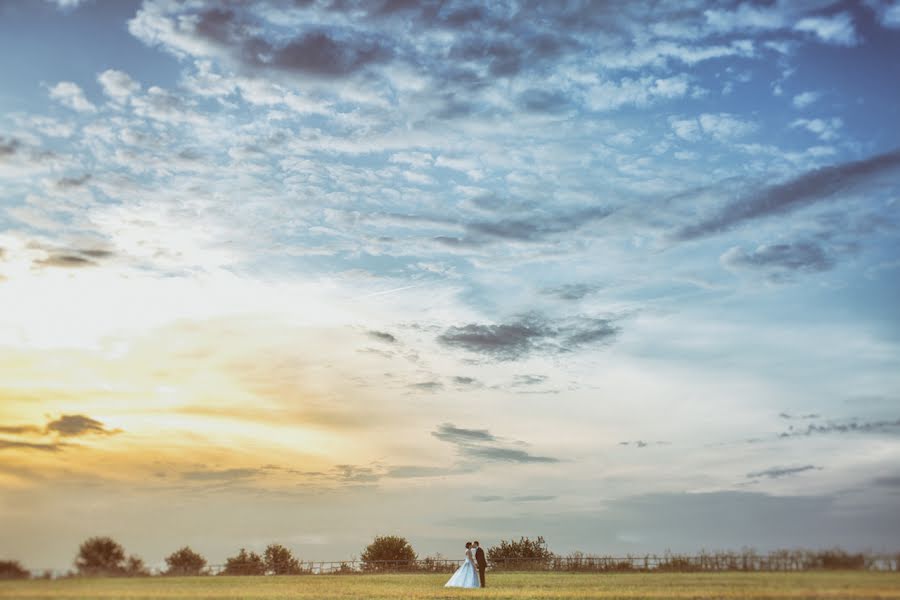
x=104, y=557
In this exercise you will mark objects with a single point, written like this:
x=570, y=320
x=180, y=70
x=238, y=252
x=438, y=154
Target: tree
x=280, y=561
x=388, y=552
x=135, y=567
x=245, y=563
x=99, y=557
x=13, y=569
x=185, y=562
x=524, y=553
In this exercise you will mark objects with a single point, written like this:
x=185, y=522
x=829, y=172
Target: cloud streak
x=481, y=444
x=811, y=187
x=527, y=334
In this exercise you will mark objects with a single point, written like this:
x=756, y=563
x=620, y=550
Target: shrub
x=280, y=561
x=245, y=563
x=12, y=569
x=522, y=554
x=388, y=552
x=100, y=556
x=839, y=559
x=185, y=562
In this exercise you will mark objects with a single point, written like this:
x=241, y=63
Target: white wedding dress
x=467, y=575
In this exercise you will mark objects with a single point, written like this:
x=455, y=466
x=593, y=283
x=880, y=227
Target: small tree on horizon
x=531, y=552
x=13, y=569
x=280, y=561
x=245, y=563
x=135, y=567
x=100, y=556
x=185, y=562
x=388, y=552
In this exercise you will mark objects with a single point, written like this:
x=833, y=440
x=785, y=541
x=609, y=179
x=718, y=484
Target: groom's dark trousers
x=482, y=564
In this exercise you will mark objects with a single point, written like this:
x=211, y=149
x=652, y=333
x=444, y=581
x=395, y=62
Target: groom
x=479, y=558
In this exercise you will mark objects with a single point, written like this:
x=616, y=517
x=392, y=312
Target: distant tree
x=13, y=569
x=100, y=557
x=524, y=553
x=135, y=567
x=280, y=561
x=245, y=563
x=388, y=552
x=185, y=562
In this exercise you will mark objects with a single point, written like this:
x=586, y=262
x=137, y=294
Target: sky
x=623, y=275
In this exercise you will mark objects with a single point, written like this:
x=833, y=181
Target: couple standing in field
x=471, y=573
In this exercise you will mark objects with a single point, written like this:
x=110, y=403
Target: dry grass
x=843, y=585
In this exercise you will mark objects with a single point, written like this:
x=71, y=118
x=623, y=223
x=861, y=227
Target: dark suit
x=482, y=564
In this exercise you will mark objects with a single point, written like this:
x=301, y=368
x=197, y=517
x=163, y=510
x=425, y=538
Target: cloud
x=448, y=432
x=866, y=427
x=534, y=498
x=778, y=260
x=803, y=190
x=571, y=291
x=75, y=425
x=525, y=380
x=719, y=126
x=836, y=29
x=826, y=129
x=480, y=444
x=805, y=99
x=12, y=444
x=428, y=386
x=382, y=336
x=504, y=341
x=66, y=4
x=20, y=429
x=806, y=416
x=68, y=183
x=414, y=471
x=356, y=474
x=220, y=474
x=465, y=381
x=533, y=228
x=778, y=472
x=529, y=333
x=227, y=33
x=8, y=146
x=494, y=453
x=891, y=481
x=118, y=85
x=70, y=95
x=67, y=261
x=887, y=11
x=611, y=95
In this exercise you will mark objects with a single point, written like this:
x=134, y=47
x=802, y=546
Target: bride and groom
x=471, y=573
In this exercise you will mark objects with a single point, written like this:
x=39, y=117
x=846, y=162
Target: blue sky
x=545, y=261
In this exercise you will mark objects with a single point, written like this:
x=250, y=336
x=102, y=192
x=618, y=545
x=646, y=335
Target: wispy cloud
x=480, y=444
x=529, y=333
x=809, y=188
x=778, y=472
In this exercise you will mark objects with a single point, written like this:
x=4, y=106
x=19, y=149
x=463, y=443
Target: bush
x=245, y=563
x=12, y=569
x=522, y=554
x=185, y=562
x=839, y=559
x=388, y=552
x=99, y=557
x=280, y=561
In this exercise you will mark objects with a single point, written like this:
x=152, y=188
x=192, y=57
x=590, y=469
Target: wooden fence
x=791, y=561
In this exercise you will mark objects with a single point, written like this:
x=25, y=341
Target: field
x=842, y=584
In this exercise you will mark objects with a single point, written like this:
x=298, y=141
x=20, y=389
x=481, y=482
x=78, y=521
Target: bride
x=467, y=575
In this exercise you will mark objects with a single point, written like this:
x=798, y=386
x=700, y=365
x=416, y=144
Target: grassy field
x=843, y=585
